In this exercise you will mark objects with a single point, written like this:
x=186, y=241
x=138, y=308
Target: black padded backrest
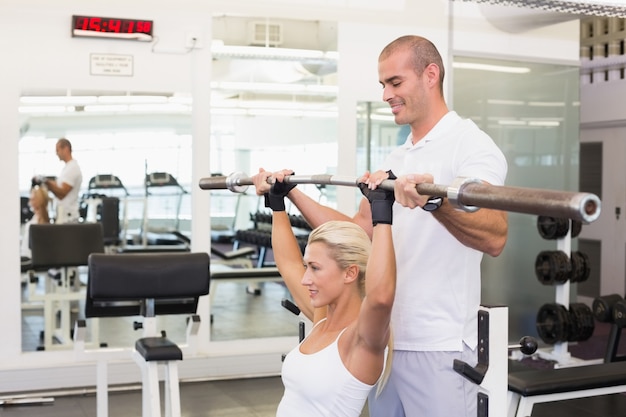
x=60, y=245
x=118, y=284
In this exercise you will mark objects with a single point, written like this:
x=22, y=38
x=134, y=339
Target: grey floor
x=238, y=314
x=231, y=398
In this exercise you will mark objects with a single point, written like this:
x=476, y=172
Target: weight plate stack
x=552, y=228
x=553, y=323
x=552, y=267
x=603, y=307
x=580, y=267
x=581, y=322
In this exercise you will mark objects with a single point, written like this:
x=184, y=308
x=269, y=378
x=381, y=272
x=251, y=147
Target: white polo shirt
x=67, y=208
x=438, y=281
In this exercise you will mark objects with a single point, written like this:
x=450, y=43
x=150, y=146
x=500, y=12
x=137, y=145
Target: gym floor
x=234, y=308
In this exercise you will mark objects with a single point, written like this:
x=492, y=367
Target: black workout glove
x=275, y=199
x=381, y=202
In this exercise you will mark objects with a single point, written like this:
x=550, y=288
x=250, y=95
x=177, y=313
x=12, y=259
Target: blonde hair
x=350, y=245
x=41, y=192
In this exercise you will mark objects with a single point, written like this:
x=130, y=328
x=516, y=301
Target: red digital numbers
x=115, y=25
x=111, y=25
x=95, y=24
x=144, y=26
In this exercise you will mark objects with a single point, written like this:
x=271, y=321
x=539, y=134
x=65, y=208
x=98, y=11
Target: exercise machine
x=145, y=285
x=101, y=203
x=61, y=247
x=164, y=237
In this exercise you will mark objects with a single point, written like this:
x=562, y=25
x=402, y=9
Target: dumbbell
x=527, y=345
x=619, y=313
x=603, y=307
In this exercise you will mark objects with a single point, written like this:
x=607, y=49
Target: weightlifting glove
x=275, y=199
x=381, y=203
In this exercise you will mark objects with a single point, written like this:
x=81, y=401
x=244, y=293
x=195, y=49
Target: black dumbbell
x=527, y=345
x=619, y=313
x=603, y=307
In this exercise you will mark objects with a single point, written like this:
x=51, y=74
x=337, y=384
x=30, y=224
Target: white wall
x=39, y=53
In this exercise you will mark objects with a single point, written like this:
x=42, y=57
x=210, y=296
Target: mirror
x=136, y=146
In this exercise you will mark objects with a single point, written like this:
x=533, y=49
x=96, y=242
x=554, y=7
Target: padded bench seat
x=552, y=381
x=529, y=387
x=158, y=349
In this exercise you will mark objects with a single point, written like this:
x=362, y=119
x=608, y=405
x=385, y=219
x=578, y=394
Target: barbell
x=468, y=194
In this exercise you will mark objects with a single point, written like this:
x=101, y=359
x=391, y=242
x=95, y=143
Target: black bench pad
x=158, y=349
x=578, y=378
x=142, y=276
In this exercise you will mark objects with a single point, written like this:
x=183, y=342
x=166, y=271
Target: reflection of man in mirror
x=67, y=185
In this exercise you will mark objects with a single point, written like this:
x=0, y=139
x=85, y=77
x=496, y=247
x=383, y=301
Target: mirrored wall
x=271, y=110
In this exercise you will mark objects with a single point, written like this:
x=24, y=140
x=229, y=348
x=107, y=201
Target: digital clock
x=110, y=27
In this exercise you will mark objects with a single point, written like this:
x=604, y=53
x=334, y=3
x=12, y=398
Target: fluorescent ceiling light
x=489, y=67
x=546, y=103
x=316, y=89
x=218, y=49
x=159, y=108
x=512, y=122
x=505, y=102
x=45, y=109
x=49, y=100
x=290, y=113
x=544, y=123
x=132, y=99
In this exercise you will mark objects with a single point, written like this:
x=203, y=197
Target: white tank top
x=319, y=385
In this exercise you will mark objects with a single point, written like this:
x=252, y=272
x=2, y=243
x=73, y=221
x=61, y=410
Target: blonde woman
x=38, y=203
x=345, y=284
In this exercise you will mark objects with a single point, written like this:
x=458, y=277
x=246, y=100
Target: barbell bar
x=468, y=194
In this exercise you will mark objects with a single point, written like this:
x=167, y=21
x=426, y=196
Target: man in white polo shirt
x=67, y=185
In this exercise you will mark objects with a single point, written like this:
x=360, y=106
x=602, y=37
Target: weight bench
x=527, y=388
x=148, y=285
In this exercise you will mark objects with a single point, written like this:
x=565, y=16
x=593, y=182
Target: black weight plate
x=552, y=227
x=552, y=267
x=581, y=322
x=553, y=323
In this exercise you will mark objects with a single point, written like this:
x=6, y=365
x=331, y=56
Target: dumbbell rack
x=559, y=352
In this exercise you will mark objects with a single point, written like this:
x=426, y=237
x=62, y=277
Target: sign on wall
x=111, y=64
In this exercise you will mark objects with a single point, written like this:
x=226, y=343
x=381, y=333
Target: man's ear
x=432, y=72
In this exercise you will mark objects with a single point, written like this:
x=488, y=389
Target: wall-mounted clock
x=110, y=27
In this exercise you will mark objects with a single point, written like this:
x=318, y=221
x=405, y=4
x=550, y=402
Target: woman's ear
x=352, y=274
